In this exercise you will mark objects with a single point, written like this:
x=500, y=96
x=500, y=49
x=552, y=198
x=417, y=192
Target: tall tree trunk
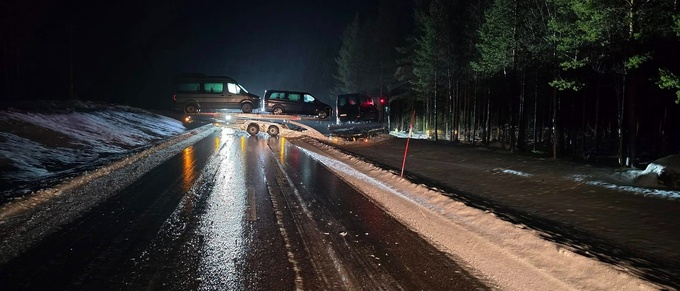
x=449, y=118
x=631, y=90
x=511, y=112
x=596, y=134
x=620, y=121
x=459, y=110
x=474, y=114
x=633, y=124
x=436, y=117
x=536, y=110
x=487, y=123
x=466, y=110
x=521, y=133
x=555, y=128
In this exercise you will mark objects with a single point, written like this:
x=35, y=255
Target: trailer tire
x=191, y=108
x=323, y=114
x=273, y=130
x=247, y=107
x=253, y=129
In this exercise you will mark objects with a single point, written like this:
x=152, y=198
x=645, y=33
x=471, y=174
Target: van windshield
x=243, y=89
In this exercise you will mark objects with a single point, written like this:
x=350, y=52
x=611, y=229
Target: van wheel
x=247, y=108
x=277, y=111
x=273, y=130
x=323, y=113
x=191, y=108
x=253, y=129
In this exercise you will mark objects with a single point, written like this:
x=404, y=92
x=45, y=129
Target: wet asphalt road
x=235, y=212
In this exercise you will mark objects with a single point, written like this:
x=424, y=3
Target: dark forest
x=588, y=80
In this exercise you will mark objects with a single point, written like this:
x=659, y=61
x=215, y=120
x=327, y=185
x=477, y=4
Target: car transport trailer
x=253, y=123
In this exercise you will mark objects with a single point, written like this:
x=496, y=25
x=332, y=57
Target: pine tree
x=610, y=34
x=432, y=57
x=349, y=59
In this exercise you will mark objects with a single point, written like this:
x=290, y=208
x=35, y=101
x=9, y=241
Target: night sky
x=128, y=51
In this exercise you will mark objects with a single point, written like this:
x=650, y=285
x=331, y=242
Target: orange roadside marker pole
x=408, y=139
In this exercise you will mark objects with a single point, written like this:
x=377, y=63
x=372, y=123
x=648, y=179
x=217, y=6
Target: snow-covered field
x=35, y=146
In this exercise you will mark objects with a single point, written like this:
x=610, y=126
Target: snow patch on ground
x=513, y=172
x=406, y=134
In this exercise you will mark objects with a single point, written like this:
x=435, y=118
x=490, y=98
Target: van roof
x=352, y=94
x=287, y=91
x=199, y=76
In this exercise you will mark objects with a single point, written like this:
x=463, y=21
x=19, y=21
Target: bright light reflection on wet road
x=221, y=225
x=188, y=172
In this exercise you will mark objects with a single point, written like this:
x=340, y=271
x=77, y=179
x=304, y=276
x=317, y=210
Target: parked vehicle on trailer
x=355, y=108
x=195, y=92
x=293, y=102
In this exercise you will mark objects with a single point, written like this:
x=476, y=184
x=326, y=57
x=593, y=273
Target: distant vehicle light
x=227, y=117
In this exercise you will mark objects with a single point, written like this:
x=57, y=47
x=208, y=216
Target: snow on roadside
x=509, y=256
x=660, y=179
x=39, y=145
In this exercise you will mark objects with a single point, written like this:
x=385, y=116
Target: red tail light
x=174, y=97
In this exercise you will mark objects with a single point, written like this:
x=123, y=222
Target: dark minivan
x=293, y=102
x=356, y=108
x=194, y=92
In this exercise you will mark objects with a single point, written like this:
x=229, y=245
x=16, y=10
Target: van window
x=210, y=87
x=352, y=100
x=277, y=95
x=233, y=88
x=308, y=98
x=294, y=97
x=188, y=87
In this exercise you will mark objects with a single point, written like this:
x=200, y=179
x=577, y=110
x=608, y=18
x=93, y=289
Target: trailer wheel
x=322, y=114
x=247, y=107
x=253, y=129
x=273, y=130
x=191, y=108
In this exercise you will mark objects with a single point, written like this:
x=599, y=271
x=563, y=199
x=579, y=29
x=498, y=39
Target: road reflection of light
x=221, y=228
x=188, y=174
x=282, y=149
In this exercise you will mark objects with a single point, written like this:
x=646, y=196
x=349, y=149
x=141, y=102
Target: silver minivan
x=194, y=92
x=293, y=102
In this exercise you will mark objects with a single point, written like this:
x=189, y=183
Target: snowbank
x=662, y=172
